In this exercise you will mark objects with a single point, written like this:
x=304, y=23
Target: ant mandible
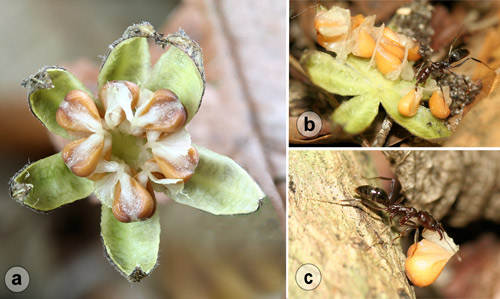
x=370, y=196
x=456, y=55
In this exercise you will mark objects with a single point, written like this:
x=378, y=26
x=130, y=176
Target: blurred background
x=201, y=255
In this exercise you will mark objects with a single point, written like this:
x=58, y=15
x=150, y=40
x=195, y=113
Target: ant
x=377, y=199
x=456, y=55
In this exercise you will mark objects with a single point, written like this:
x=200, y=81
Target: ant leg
x=402, y=234
x=411, y=225
x=417, y=74
x=392, y=189
x=379, y=236
x=420, y=66
x=454, y=40
x=417, y=233
x=366, y=203
x=476, y=60
x=468, y=86
x=338, y=203
x=399, y=200
x=439, y=83
x=380, y=177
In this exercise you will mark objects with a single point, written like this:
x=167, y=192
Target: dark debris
x=416, y=23
x=462, y=93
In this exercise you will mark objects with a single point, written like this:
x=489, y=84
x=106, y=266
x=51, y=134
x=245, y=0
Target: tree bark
x=348, y=244
x=464, y=186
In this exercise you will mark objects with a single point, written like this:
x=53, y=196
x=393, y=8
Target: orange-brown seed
x=88, y=164
x=413, y=54
x=324, y=41
x=365, y=45
x=408, y=105
x=136, y=206
x=172, y=172
x=357, y=20
x=392, y=49
x=76, y=101
x=425, y=262
x=392, y=37
x=438, y=106
x=386, y=62
x=320, y=22
x=175, y=115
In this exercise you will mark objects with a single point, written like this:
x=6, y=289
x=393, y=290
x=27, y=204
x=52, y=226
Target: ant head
x=457, y=55
x=424, y=217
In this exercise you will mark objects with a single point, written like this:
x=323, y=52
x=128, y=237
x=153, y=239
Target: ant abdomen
x=372, y=193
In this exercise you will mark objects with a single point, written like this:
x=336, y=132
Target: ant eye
x=423, y=217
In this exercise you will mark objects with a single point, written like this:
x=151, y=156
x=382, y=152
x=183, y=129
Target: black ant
x=456, y=55
x=373, y=197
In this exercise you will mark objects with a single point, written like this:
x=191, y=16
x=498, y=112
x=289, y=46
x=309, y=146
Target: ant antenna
x=302, y=11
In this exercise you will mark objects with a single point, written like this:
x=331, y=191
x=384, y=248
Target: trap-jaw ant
x=454, y=56
x=377, y=199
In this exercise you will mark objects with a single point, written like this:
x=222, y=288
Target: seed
x=425, y=261
x=392, y=37
x=438, y=106
x=325, y=41
x=184, y=171
x=164, y=113
x=330, y=26
x=132, y=201
x=357, y=20
x=413, y=53
x=408, y=105
x=392, y=49
x=386, y=62
x=83, y=155
x=320, y=23
x=365, y=45
x=78, y=114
